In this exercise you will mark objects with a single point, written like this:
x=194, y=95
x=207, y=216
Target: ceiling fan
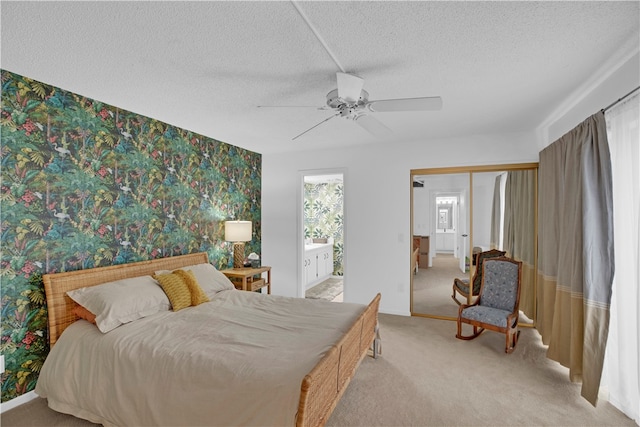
x=351, y=102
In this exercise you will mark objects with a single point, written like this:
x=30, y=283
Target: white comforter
x=237, y=360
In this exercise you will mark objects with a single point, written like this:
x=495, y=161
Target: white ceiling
x=206, y=66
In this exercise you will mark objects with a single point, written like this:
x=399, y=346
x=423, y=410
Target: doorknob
x=465, y=235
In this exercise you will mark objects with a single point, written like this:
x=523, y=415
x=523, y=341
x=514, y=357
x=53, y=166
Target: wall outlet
x=1, y=363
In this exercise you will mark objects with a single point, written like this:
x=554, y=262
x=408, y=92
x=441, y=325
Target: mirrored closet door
x=460, y=212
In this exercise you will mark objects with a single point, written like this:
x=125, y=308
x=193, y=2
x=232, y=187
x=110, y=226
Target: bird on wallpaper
x=125, y=243
x=63, y=151
x=125, y=188
x=61, y=215
x=126, y=134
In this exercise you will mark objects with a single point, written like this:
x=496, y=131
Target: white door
x=463, y=230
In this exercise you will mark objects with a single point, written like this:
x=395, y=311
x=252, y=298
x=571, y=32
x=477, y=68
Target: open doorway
x=449, y=220
x=323, y=235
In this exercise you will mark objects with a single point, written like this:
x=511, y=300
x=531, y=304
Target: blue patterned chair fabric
x=497, y=305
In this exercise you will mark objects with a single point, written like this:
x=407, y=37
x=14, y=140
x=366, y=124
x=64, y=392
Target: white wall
x=421, y=212
x=616, y=82
x=377, y=208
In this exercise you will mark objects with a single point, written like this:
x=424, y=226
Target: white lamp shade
x=237, y=231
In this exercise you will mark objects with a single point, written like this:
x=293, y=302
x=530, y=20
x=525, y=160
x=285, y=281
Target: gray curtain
x=494, y=238
x=576, y=256
x=519, y=231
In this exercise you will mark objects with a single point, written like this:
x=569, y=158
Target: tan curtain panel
x=576, y=256
x=496, y=214
x=519, y=235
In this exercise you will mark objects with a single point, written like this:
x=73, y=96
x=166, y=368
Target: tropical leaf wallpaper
x=323, y=217
x=86, y=184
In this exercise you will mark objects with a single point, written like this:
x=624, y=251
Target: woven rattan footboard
x=325, y=384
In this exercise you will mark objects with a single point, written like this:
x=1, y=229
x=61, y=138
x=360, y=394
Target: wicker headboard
x=57, y=285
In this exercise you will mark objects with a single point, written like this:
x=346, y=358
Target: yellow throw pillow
x=176, y=289
x=197, y=294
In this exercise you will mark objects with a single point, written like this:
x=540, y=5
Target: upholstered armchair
x=497, y=305
x=461, y=286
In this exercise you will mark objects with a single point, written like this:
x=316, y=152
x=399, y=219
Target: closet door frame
x=470, y=170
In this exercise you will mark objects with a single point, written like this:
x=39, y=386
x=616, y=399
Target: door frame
x=301, y=288
x=459, y=251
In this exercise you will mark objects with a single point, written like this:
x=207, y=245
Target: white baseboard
x=24, y=398
x=397, y=313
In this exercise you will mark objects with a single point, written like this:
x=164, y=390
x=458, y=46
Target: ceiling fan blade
x=324, y=107
x=373, y=125
x=406, y=104
x=313, y=127
x=349, y=87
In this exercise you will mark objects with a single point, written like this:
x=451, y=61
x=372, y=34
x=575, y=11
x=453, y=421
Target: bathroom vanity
x=318, y=262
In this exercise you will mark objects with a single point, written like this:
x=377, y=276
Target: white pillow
x=122, y=301
x=210, y=279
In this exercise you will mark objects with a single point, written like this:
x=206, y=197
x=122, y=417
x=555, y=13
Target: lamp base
x=238, y=255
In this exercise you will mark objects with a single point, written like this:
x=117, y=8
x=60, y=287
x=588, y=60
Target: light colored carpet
x=432, y=287
x=328, y=289
x=427, y=377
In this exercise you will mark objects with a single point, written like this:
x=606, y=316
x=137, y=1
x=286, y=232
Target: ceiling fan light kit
x=336, y=101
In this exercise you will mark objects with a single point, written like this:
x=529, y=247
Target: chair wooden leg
x=512, y=339
x=453, y=296
x=477, y=330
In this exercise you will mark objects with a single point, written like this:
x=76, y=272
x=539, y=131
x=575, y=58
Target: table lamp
x=237, y=232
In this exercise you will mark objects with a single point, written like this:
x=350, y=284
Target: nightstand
x=248, y=278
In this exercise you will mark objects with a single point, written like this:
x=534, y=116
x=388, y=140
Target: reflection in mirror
x=519, y=238
x=487, y=218
x=440, y=229
x=502, y=216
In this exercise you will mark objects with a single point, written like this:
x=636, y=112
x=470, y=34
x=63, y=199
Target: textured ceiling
x=206, y=66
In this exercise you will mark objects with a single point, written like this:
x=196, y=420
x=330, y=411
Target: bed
x=244, y=358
